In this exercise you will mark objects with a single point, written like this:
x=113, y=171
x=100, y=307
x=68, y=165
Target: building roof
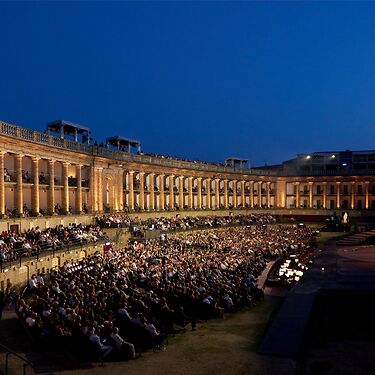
x=69, y=127
x=122, y=141
x=240, y=160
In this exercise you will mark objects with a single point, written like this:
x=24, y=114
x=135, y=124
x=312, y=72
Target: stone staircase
x=357, y=238
x=14, y=343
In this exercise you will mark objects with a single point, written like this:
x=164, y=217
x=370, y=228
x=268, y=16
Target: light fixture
x=333, y=156
x=308, y=157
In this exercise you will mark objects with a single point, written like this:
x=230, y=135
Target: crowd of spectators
x=129, y=299
x=34, y=241
x=179, y=222
x=169, y=157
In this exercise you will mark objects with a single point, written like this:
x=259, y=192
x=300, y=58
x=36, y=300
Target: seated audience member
x=94, y=338
x=123, y=346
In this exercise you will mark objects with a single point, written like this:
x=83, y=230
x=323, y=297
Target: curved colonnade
x=49, y=175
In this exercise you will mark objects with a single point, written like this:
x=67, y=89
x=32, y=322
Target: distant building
x=331, y=163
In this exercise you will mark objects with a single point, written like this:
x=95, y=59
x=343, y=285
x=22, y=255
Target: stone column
x=297, y=194
x=113, y=188
x=199, y=196
x=131, y=190
x=181, y=192
x=161, y=192
x=234, y=194
x=142, y=190
x=338, y=203
x=78, y=202
x=268, y=194
x=51, y=188
x=120, y=190
x=190, y=188
x=2, y=184
x=226, y=200
x=324, y=195
x=100, y=189
x=65, y=195
x=35, y=191
x=208, y=193
x=251, y=194
x=367, y=194
x=281, y=189
x=352, y=195
x=217, y=193
x=151, y=181
x=92, y=191
x=310, y=194
x=171, y=192
x=19, y=187
x=243, y=203
x=260, y=194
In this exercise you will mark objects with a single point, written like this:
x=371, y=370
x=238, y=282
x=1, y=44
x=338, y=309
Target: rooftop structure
x=66, y=128
x=237, y=162
x=123, y=144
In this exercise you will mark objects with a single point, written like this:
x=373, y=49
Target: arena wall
x=18, y=273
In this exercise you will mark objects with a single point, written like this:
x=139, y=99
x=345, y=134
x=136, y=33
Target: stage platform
x=334, y=269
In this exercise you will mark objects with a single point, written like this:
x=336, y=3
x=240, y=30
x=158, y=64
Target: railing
x=8, y=353
x=18, y=132
x=47, y=249
x=9, y=175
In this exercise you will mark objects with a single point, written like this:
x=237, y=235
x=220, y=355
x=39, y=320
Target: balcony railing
x=29, y=135
x=18, y=132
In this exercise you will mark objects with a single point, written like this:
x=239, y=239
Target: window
x=360, y=158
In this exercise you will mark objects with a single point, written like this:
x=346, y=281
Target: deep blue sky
x=204, y=80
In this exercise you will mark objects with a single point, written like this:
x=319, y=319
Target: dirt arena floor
x=225, y=347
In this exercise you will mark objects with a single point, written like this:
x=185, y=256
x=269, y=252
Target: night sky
x=203, y=80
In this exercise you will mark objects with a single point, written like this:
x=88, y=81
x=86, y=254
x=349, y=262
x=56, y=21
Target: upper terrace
x=18, y=132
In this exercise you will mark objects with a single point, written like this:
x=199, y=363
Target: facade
x=50, y=175
x=332, y=163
